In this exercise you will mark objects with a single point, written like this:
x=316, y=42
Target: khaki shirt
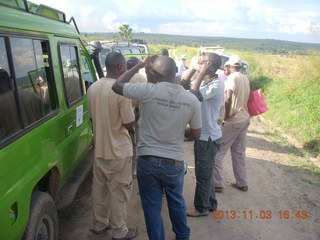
x=138, y=78
x=240, y=86
x=109, y=111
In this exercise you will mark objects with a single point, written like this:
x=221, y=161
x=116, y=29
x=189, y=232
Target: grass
x=154, y=49
x=176, y=52
x=306, y=165
x=310, y=182
x=296, y=155
x=291, y=86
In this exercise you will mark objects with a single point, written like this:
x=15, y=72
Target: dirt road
x=273, y=208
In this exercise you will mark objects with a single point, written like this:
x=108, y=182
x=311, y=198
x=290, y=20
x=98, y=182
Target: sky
x=291, y=20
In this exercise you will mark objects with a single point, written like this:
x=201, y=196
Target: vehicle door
x=77, y=124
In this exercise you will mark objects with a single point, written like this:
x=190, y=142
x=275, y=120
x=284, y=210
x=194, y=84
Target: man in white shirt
x=209, y=91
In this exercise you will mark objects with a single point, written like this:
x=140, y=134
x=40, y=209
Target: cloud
x=297, y=23
x=86, y=11
x=127, y=7
x=109, y=22
x=199, y=28
x=146, y=9
x=295, y=26
x=239, y=18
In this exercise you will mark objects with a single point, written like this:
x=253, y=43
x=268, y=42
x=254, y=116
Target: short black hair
x=164, y=52
x=113, y=59
x=164, y=69
x=215, y=60
x=131, y=62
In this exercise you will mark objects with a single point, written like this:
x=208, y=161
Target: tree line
x=270, y=46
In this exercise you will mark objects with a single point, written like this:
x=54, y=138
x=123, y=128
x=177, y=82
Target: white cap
x=234, y=60
x=183, y=56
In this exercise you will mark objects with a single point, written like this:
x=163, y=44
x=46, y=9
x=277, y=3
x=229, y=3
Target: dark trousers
x=205, y=152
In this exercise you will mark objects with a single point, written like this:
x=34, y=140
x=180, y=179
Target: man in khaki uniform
x=112, y=118
x=234, y=128
x=136, y=105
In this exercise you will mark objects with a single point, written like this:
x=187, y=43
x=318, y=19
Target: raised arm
x=196, y=85
x=186, y=79
x=117, y=87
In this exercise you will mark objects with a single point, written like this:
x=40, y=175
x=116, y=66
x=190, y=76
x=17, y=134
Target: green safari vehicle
x=45, y=130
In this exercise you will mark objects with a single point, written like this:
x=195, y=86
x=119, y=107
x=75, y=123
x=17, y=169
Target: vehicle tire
x=43, y=219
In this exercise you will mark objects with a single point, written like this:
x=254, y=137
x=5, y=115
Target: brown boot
x=242, y=188
x=195, y=213
x=219, y=189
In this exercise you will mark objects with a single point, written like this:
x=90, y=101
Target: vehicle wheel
x=43, y=219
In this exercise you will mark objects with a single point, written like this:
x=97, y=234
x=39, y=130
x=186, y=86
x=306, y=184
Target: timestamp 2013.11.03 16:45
x=262, y=214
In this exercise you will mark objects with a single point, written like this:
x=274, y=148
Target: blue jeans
x=154, y=177
x=204, y=154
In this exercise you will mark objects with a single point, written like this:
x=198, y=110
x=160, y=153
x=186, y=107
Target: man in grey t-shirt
x=167, y=109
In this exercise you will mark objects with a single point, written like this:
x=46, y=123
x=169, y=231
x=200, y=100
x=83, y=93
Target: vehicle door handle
x=69, y=128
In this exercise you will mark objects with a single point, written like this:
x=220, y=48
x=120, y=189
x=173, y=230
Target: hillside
x=238, y=44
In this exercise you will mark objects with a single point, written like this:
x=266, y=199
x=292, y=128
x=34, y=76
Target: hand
x=195, y=63
x=206, y=65
x=149, y=60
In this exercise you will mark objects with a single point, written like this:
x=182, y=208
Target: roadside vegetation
x=288, y=73
x=291, y=86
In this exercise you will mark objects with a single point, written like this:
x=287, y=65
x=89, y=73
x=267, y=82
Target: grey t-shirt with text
x=166, y=110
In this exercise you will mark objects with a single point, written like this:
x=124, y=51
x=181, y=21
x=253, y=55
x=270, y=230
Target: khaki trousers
x=111, y=188
x=233, y=137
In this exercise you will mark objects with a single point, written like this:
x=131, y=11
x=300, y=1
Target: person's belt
x=171, y=162
x=167, y=161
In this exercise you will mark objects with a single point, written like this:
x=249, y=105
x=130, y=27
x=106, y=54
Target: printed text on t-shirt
x=170, y=103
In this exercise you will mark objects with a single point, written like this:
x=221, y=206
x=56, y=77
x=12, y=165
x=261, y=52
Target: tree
x=125, y=31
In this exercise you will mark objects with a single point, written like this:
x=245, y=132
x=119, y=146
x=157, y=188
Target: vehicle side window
x=71, y=73
x=103, y=55
x=9, y=121
x=86, y=73
x=125, y=51
x=29, y=94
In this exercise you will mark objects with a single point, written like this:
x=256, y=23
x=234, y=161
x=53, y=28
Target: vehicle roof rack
x=75, y=24
x=41, y=9
x=52, y=13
